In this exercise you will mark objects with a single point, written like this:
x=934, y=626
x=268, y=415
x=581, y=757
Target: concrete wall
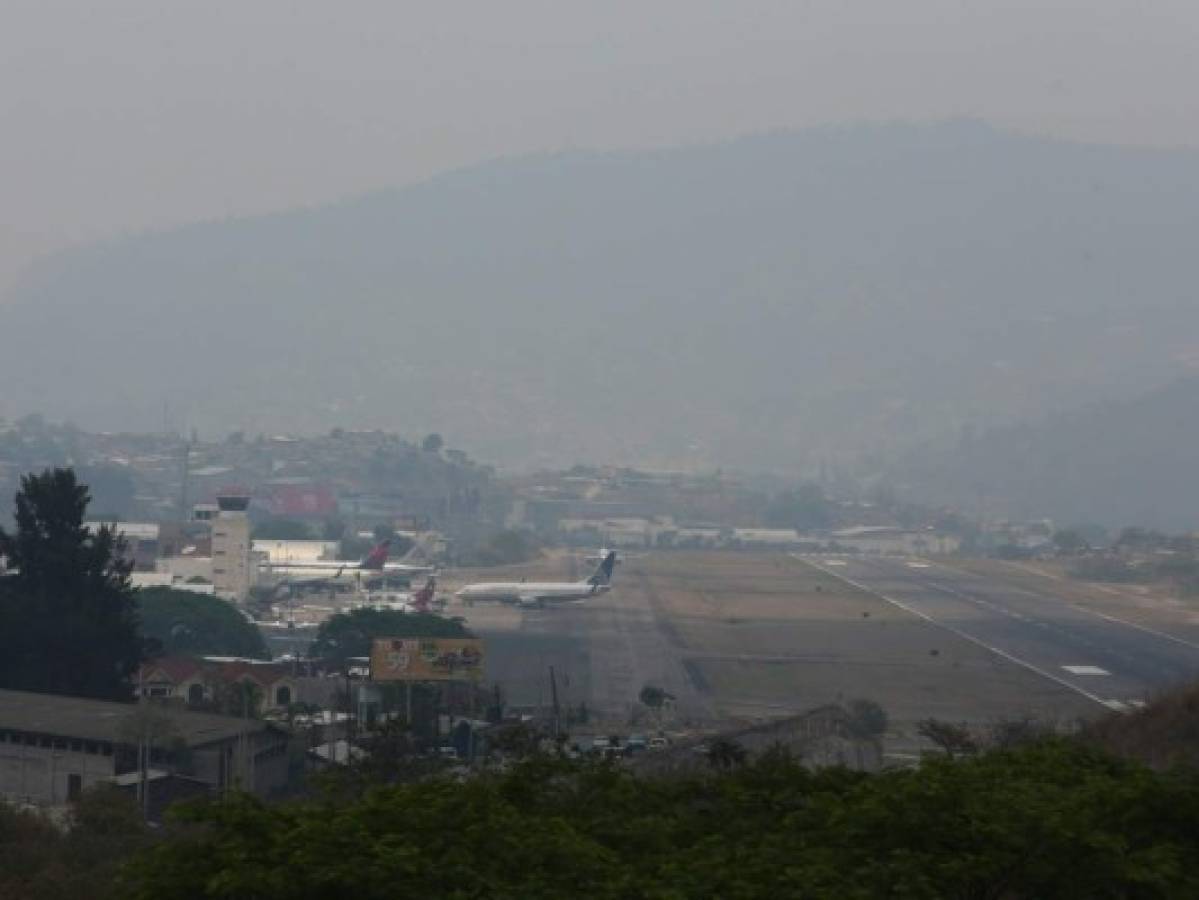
x=38, y=769
x=41, y=772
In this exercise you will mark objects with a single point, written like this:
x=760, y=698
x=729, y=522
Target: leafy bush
x=1054, y=819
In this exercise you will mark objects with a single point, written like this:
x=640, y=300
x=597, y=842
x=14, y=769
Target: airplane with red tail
x=374, y=565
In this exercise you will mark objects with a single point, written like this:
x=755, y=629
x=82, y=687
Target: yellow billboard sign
x=427, y=659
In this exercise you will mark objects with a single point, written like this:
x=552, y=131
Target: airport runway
x=741, y=636
x=1110, y=661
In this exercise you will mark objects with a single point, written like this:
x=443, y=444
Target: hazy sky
x=127, y=114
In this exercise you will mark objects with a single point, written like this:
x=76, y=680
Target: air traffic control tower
x=232, y=565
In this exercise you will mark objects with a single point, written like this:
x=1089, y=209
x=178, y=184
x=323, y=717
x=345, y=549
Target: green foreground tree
x=72, y=859
x=68, y=617
x=1056, y=819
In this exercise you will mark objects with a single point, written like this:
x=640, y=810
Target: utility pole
x=554, y=700
x=351, y=716
x=470, y=734
x=143, y=793
x=185, y=479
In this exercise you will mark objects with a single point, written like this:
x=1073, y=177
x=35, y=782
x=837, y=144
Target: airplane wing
x=532, y=599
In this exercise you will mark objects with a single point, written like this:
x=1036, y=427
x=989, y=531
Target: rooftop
x=102, y=720
x=133, y=531
x=177, y=669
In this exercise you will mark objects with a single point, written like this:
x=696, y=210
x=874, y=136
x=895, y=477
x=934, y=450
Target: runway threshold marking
x=1049, y=626
x=1003, y=654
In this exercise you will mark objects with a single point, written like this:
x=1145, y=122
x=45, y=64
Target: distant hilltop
x=1113, y=463
x=773, y=302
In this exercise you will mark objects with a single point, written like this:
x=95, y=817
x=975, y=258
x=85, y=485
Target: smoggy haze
x=137, y=114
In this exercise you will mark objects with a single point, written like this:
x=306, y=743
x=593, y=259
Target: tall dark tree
x=68, y=619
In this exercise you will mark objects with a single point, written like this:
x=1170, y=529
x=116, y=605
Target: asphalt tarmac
x=1110, y=660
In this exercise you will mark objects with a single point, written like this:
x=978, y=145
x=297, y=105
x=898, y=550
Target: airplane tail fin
x=422, y=598
x=374, y=560
x=603, y=573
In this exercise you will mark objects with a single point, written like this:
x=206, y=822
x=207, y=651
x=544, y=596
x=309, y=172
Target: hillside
x=1127, y=462
x=769, y=302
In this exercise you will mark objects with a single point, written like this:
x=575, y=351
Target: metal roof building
x=52, y=747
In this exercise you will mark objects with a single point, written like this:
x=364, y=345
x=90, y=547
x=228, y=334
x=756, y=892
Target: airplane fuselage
x=527, y=593
x=331, y=567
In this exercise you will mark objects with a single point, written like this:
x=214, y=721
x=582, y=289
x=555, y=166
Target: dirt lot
x=769, y=632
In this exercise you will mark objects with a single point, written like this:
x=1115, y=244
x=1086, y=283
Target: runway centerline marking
x=1083, y=608
x=1086, y=670
x=1050, y=626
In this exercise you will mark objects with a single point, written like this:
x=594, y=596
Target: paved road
x=1109, y=661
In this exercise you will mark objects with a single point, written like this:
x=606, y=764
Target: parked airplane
x=421, y=601
x=374, y=562
x=530, y=593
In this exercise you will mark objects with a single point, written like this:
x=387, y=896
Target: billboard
x=300, y=501
x=427, y=659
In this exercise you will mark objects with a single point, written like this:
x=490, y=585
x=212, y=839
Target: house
x=54, y=747
x=197, y=681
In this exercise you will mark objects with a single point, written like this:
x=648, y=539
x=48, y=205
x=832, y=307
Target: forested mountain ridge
x=770, y=302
